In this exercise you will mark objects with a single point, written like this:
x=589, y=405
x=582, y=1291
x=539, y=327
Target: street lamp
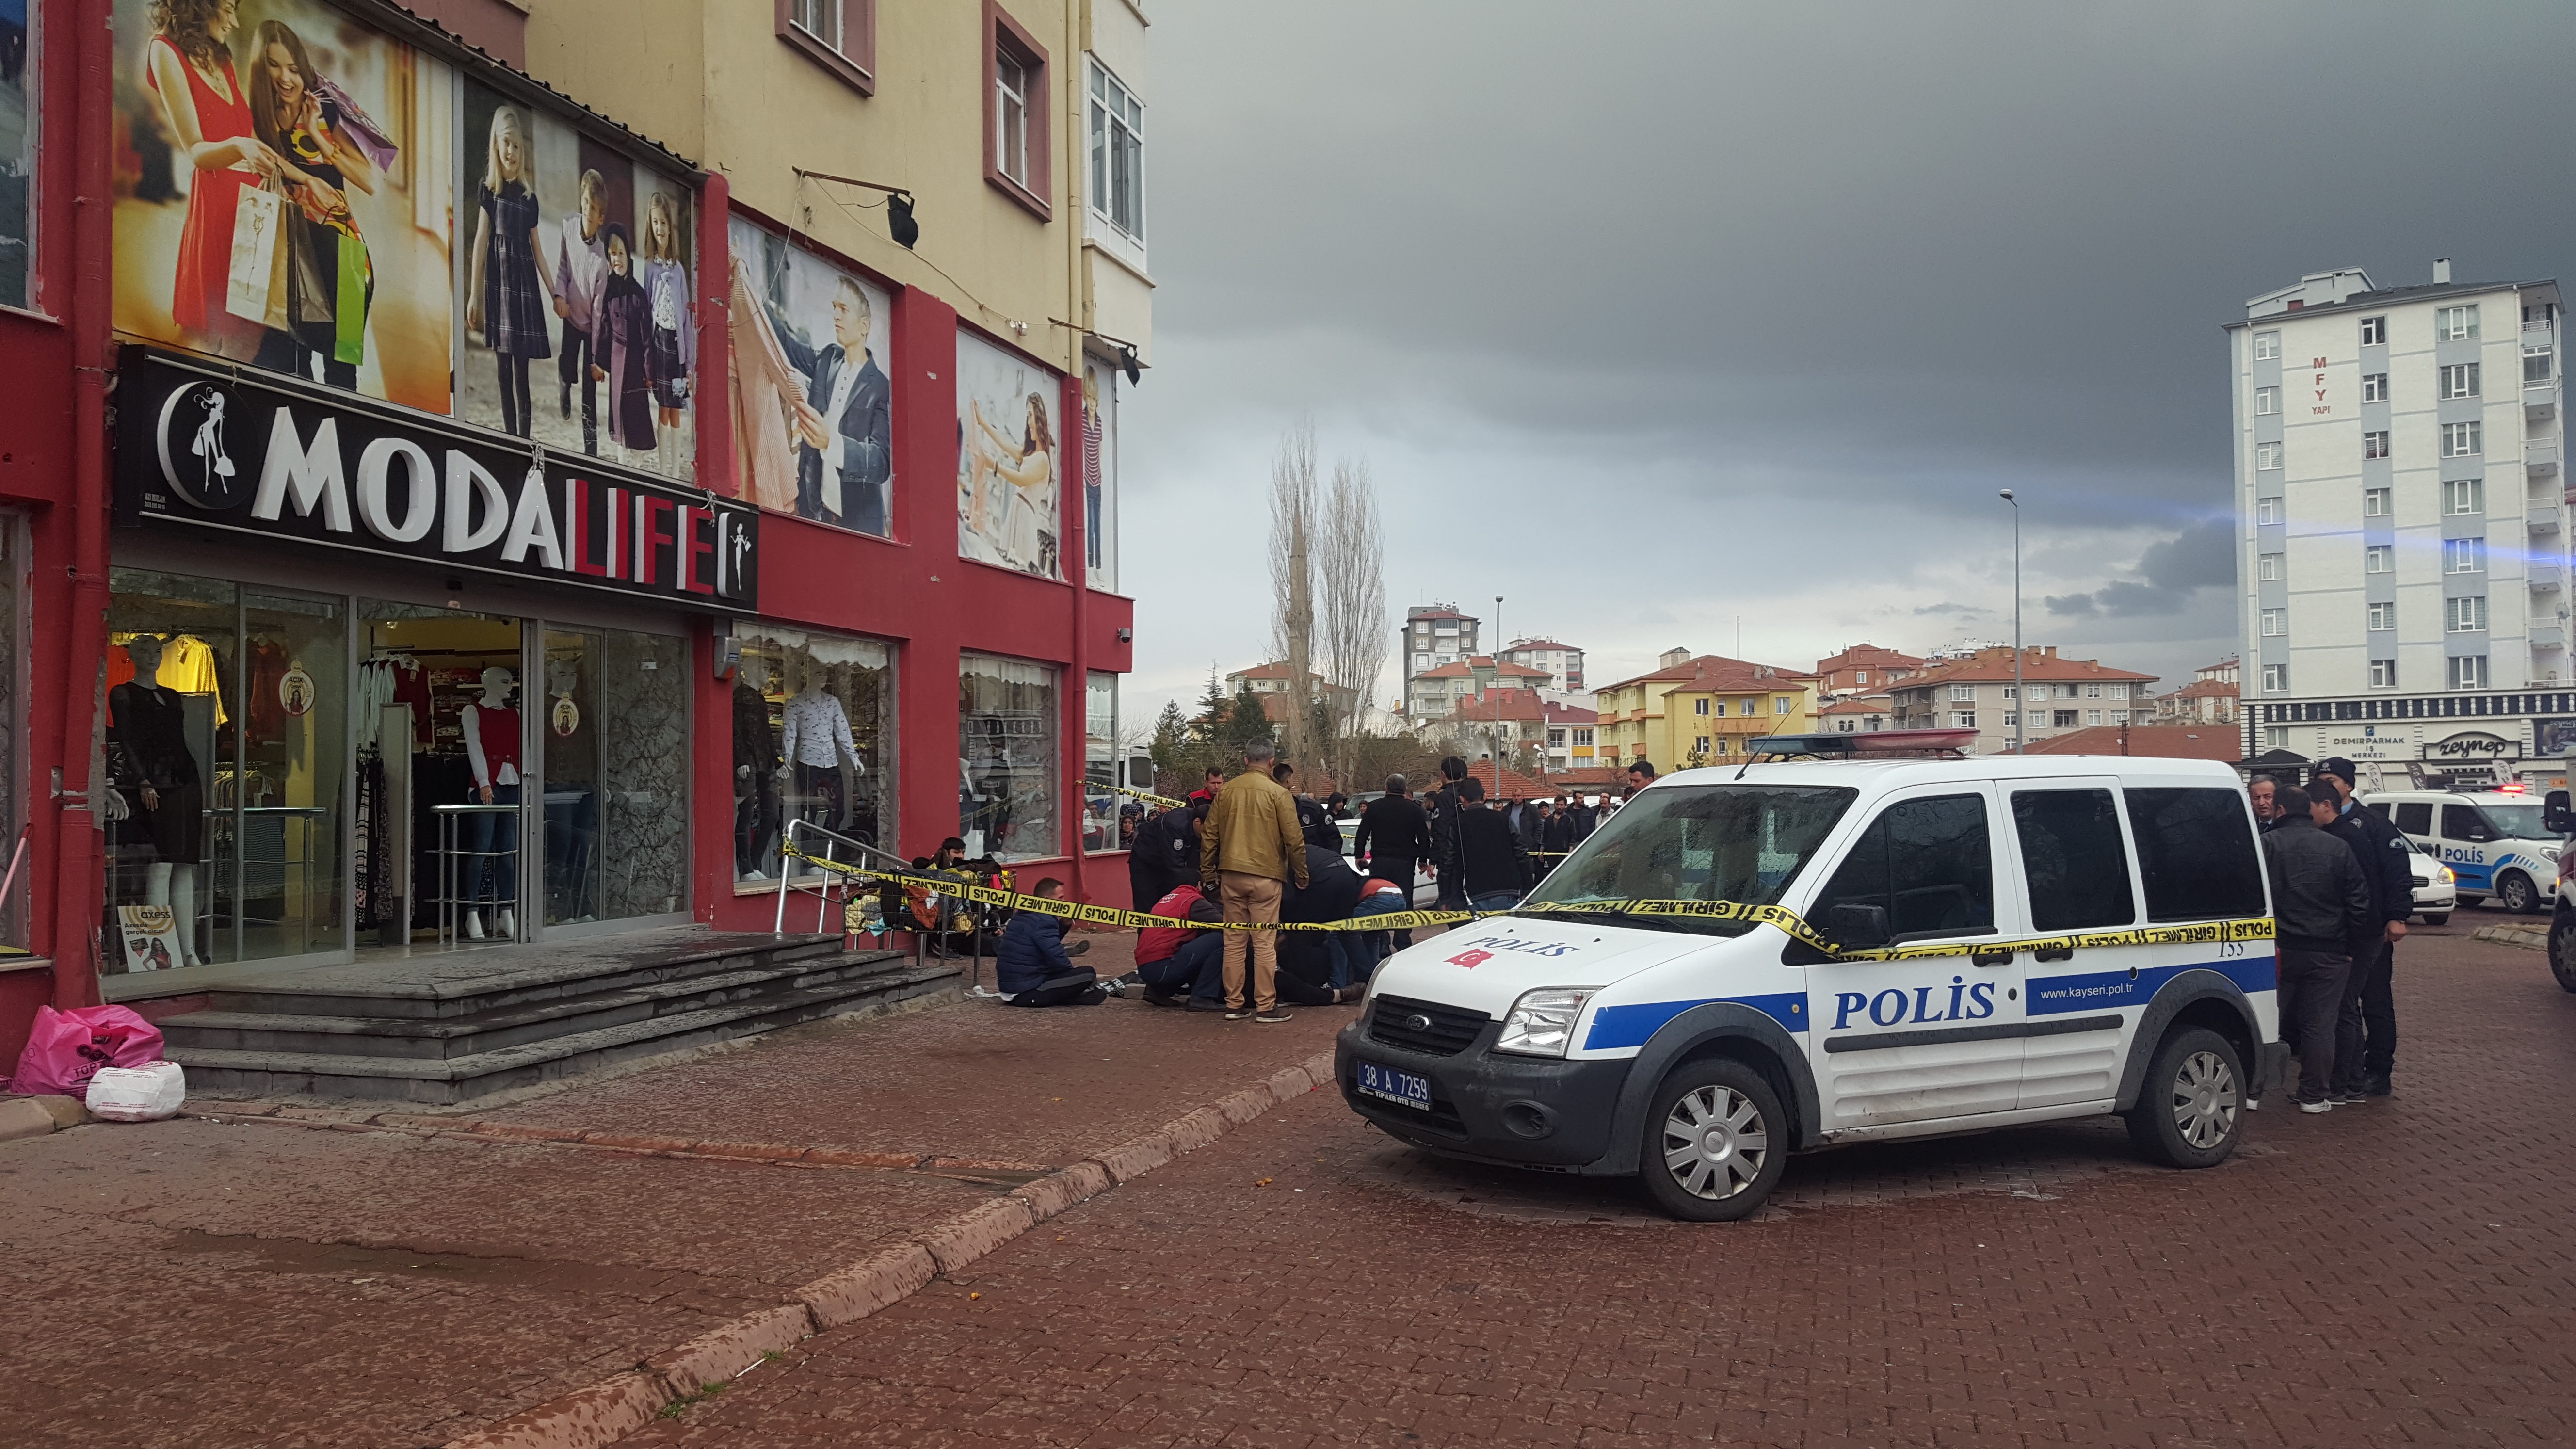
x=2021, y=696
x=1497, y=687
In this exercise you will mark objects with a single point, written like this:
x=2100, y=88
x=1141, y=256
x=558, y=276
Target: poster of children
x=812, y=407
x=282, y=189
x=574, y=291
x=1007, y=447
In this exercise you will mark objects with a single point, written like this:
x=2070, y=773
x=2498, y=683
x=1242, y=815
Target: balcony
x=2543, y=515
x=2548, y=636
x=2540, y=459
x=2546, y=574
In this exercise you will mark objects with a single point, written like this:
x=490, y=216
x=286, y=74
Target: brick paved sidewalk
x=2390, y=1274
x=249, y=1281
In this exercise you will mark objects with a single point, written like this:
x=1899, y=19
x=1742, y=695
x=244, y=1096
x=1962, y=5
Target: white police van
x=2495, y=841
x=1697, y=1053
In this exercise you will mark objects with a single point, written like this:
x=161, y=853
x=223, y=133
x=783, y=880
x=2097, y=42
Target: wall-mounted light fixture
x=898, y=204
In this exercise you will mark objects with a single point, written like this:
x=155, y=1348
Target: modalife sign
x=205, y=446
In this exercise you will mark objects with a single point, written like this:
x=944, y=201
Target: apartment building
x=1861, y=669
x=1563, y=662
x=1430, y=695
x=1981, y=693
x=2401, y=520
x=1433, y=636
x=1700, y=708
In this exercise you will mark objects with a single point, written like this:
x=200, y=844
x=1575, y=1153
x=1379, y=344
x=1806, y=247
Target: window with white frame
x=2464, y=495
x=1700, y=706
x=2460, y=379
x=1583, y=739
x=2267, y=346
x=2382, y=616
x=2062, y=719
x=2267, y=510
x=2092, y=691
x=2464, y=616
x=2374, y=331
x=2119, y=691
x=2461, y=440
x=2383, y=674
x=2374, y=445
x=1699, y=745
x=2011, y=719
x=2276, y=621
x=820, y=19
x=2379, y=558
x=2092, y=716
x=2012, y=691
x=2374, y=502
x=1011, y=116
x=1963, y=720
x=2456, y=324
x=1963, y=694
x=2270, y=567
x=2119, y=716
x=2267, y=400
x=2267, y=455
x=2535, y=367
x=2464, y=555
x=2276, y=679
x=2469, y=671
x=1783, y=703
x=2374, y=387
x=1117, y=153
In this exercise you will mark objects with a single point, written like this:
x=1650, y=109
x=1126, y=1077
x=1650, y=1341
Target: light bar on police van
x=1840, y=746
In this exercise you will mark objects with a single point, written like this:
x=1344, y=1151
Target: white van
x=2493, y=841
x=1696, y=1052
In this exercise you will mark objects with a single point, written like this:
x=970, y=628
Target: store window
x=13, y=710
x=813, y=740
x=1006, y=759
x=18, y=67
x=439, y=708
x=1101, y=815
x=613, y=737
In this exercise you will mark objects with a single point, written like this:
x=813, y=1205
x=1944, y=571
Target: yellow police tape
x=1166, y=801
x=1789, y=922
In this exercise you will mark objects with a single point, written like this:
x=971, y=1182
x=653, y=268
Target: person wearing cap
x=2321, y=902
x=1166, y=852
x=2366, y=1033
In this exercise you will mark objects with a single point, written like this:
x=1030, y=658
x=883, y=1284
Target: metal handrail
x=832, y=841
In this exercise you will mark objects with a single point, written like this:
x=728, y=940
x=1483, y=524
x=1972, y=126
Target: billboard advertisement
x=813, y=410
x=1007, y=451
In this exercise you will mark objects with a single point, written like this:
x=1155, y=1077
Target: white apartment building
x=1981, y=692
x=2402, y=521
x=1563, y=662
x=1433, y=635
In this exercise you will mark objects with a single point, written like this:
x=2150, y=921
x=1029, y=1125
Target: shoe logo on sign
x=1471, y=959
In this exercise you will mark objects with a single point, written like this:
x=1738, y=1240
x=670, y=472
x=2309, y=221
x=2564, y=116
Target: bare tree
x=1292, y=627
x=1353, y=577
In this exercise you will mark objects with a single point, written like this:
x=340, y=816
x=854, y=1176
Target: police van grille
x=1449, y=1031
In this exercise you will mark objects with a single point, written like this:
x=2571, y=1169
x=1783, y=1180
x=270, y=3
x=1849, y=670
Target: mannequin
x=154, y=766
x=755, y=762
x=822, y=760
x=492, y=746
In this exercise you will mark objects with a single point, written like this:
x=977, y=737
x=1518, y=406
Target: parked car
x=2436, y=888
x=1426, y=891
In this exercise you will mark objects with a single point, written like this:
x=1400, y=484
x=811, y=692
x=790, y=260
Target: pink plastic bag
x=66, y=1048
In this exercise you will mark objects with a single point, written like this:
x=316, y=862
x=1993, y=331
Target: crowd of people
x=2343, y=886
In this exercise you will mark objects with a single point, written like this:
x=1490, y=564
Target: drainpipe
x=77, y=879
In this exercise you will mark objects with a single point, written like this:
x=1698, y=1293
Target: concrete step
x=469, y=982
x=453, y=1037
x=218, y=1073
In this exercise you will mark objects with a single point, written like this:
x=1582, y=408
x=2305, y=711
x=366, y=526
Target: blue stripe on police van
x=1614, y=1027
x=2050, y=995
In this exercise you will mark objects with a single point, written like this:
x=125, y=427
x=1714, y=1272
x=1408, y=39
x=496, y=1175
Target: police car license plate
x=1387, y=1084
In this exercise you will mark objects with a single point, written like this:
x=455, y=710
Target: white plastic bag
x=146, y=1093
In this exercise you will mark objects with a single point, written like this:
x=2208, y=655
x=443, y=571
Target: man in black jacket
x=1493, y=869
x=1446, y=813
x=2366, y=1039
x=1166, y=854
x=1394, y=837
x=2321, y=903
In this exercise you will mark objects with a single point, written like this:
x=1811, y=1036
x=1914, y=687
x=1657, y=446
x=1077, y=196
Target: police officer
x=1166, y=852
x=2366, y=1035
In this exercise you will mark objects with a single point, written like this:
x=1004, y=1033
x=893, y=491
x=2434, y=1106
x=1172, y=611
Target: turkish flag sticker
x=1471, y=959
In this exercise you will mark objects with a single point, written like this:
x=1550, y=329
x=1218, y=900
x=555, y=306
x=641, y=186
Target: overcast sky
x=1649, y=317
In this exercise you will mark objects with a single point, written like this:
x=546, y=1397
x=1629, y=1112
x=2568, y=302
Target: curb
x=609, y=1410
x=2529, y=937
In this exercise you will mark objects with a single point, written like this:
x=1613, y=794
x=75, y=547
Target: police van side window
x=2070, y=849
x=1927, y=863
x=2196, y=854
x=2415, y=817
x=2463, y=822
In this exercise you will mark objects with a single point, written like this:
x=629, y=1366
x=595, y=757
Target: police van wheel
x=2191, y=1109
x=1716, y=1142
x=2562, y=953
x=2515, y=890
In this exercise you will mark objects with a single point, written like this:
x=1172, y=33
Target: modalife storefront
x=380, y=682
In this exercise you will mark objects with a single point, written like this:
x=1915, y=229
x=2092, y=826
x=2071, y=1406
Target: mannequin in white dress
x=491, y=729
x=819, y=760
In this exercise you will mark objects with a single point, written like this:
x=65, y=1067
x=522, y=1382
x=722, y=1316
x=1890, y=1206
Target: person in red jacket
x=1182, y=967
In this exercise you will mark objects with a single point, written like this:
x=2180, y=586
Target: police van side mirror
x=1857, y=927
x=2555, y=817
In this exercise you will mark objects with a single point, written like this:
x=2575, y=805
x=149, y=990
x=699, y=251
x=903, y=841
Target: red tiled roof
x=1716, y=672
x=1995, y=666
x=1859, y=704
x=1539, y=644
x=1869, y=656
x=1570, y=714
x=2202, y=689
x=1469, y=665
x=2163, y=742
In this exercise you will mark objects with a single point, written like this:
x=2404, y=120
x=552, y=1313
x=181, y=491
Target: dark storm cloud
x=2200, y=557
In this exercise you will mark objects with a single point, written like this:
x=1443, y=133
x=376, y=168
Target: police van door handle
x=1991, y=958
x=2061, y=953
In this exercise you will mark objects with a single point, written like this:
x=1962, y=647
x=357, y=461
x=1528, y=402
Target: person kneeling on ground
x=1035, y=968
x=1181, y=967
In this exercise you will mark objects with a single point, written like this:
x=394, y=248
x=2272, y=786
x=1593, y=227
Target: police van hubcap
x=2204, y=1100
x=1715, y=1142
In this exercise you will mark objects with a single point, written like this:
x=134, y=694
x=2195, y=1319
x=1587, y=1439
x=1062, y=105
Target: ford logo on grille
x=1417, y=1022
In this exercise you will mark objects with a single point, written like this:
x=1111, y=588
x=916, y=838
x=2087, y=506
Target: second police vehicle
x=1695, y=1054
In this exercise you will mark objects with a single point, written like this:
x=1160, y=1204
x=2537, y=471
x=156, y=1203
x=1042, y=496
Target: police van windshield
x=2516, y=822
x=1742, y=843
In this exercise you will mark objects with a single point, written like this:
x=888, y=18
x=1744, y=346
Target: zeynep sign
x=250, y=455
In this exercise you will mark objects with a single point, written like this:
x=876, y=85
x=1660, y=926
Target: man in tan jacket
x=1249, y=847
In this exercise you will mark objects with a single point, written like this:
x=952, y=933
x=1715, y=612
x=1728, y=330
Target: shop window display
x=813, y=738
x=1007, y=723
x=438, y=722
x=1100, y=812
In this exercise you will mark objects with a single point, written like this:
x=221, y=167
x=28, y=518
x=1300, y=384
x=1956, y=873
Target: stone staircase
x=456, y=1026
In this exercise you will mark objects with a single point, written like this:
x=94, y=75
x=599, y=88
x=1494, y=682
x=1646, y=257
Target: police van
x=2014, y=939
x=2494, y=841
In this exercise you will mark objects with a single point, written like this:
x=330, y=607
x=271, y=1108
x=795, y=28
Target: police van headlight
x=1541, y=1023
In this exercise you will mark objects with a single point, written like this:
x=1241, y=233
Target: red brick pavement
x=2392, y=1274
